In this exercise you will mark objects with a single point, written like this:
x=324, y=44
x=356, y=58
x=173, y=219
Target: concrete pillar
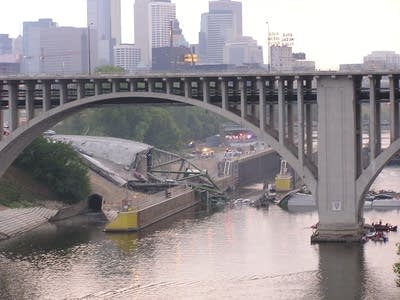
x=394, y=109
x=80, y=86
x=261, y=89
x=46, y=95
x=187, y=86
x=29, y=100
x=168, y=86
x=97, y=87
x=359, y=127
x=12, y=104
x=64, y=92
x=115, y=86
x=336, y=189
x=132, y=85
x=374, y=119
x=281, y=112
x=309, y=138
x=206, y=90
x=271, y=105
x=243, y=98
x=224, y=93
x=290, y=117
x=300, y=121
x=150, y=85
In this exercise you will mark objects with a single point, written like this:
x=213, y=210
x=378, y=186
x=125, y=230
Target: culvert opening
x=95, y=203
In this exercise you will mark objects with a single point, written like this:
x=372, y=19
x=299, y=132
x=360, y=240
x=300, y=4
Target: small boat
x=379, y=237
x=384, y=227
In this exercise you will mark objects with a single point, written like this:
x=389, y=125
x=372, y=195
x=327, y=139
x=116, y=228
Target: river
x=235, y=253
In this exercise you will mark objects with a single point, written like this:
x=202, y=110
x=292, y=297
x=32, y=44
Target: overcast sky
x=328, y=31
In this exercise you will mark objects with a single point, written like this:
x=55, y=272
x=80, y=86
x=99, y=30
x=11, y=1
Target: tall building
x=243, y=51
x=219, y=31
x=59, y=57
x=127, y=56
x=32, y=52
x=233, y=7
x=104, y=19
x=222, y=23
x=153, y=26
x=5, y=44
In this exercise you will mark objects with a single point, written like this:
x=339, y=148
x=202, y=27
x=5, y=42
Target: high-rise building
x=104, y=19
x=222, y=23
x=32, y=51
x=219, y=31
x=233, y=7
x=153, y=26
x=59, y=57
x=5, y=44
x=127, y=56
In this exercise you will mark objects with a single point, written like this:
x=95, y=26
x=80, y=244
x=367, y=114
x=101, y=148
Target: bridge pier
x=339, y=218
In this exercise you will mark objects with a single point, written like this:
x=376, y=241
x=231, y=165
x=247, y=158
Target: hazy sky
x=328, y=31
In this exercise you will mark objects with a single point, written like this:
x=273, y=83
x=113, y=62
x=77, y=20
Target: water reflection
x=341, y=271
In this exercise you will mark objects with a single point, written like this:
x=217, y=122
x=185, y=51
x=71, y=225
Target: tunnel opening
x=95, y=203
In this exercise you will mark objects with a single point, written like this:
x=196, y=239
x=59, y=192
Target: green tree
x=59, y=166
x=109, y=69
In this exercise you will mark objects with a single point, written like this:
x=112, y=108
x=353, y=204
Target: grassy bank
x=18, y=189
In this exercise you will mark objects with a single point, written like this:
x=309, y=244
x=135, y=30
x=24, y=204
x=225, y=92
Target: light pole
x=268, y=46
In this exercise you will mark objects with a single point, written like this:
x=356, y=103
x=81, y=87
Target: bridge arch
x=369, y=175
x=19, y=139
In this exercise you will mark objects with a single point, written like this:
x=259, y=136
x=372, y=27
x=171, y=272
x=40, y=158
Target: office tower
x=243, y=51
x=219, y=31
x=5, y=44
x=60, y=57
x=153, y=26
x=127, y=56
x=104, y=20
x=32, y=52
x=222, y=23
x=233, y=7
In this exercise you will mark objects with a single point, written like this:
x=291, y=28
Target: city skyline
x=345, y=31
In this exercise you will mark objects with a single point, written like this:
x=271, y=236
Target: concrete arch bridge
x=341, y=116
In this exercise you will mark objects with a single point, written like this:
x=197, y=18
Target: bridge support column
x=63, y=92
x=224, y=93
x=261, y=88
x=29, y=99
x=281, y=112
x=394, y=109
x=300, y=121
x=46, y=96
x=12, y=104
x=206, y=90
x=243, y=99
x=339, y=219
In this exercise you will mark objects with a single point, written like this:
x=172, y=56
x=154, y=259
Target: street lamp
x=268, y=46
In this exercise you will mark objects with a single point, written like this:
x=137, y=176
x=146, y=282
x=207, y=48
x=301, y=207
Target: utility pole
x=269, y=50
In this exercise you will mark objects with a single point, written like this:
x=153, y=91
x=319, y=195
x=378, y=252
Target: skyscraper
x=222, y=23
x=104, y=19
x=153, y=25
x=233, y=7
x=32, y=53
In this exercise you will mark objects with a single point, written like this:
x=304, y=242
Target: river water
x=235, y=253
